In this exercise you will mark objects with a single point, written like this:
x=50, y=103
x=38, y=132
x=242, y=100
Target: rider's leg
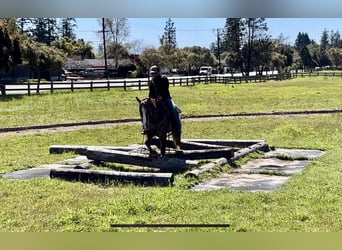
x=175, y=117
x=144, y=120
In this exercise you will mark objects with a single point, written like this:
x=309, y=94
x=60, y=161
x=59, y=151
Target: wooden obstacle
x=131, y=158
x=224, y=151
x=101, y=176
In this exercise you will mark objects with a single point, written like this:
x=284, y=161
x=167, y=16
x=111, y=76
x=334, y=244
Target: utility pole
x=104, y=47
x=218, y=32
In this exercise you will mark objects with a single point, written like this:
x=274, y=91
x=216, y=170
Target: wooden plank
x=101, y=176
x=166, y=163
x=206, y=167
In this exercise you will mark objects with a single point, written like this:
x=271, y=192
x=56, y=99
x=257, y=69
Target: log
x=81, y=149
x=101, y=176
x=261, y=146
x=166, y=163
x=205, y=168
x=190, y=145
x=202, y=153
x=226, y=142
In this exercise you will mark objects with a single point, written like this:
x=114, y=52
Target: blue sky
x=202, y=31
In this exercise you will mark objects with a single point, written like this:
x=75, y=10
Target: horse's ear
x=138, y=99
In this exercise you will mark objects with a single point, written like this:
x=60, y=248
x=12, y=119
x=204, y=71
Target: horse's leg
x=148, y=145
x=162, y=140
x=177, y=140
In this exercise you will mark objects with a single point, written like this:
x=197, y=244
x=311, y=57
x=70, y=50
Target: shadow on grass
x=8, y=98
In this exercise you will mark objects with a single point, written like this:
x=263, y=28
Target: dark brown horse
x=156, y=122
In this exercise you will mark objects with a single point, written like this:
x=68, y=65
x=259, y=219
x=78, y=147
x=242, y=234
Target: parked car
x=93, y=73
x=206, y=70
x=65, y=74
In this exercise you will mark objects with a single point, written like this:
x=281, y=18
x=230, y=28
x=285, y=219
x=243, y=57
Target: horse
x=157, y=122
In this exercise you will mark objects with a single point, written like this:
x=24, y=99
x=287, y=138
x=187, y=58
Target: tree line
x=243, y=45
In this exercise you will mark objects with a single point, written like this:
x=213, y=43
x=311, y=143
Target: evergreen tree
x=168, y=39
x=67, y=26
x=45, y=30
x=335, y=39
x=323, y=59
x=302, y=40
x=232, y=39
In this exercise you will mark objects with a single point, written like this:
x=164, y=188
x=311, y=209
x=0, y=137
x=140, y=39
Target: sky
x=203, y=31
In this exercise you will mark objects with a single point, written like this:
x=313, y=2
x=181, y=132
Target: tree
x=302, y=40
x=67, y=26
x=168, y=40
x=74, y=48
x=152, y=56
x=335, y=56
x=335, y=39
x=246, y=43
x=41, y=57
x=234, y=30
x=10, y=52
x=323, y=59
x=118, y=31
x=45, y=30
x=301, y=43
x=23, y=24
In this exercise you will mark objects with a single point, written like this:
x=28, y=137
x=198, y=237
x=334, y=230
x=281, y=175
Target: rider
x=159, y=91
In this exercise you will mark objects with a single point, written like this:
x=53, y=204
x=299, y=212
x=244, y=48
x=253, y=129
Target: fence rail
x=11, y=88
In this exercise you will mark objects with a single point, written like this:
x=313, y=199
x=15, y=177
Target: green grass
x=308, y=202
x=80, y=106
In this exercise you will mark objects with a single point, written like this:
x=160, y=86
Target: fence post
x=180, y=82
x=125, y=84
x=139, y=84
x=72, y=85
x=108, y=85
x=3, y=89
x=51, y=86
x=91, y=86
x=28, y=88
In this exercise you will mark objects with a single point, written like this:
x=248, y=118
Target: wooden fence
x=126, y=84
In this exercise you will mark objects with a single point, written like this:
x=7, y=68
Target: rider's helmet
x=154, y=70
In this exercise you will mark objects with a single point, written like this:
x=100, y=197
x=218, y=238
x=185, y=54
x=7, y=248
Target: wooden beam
x=206, y=167
x=101, y=176
x=166, y=163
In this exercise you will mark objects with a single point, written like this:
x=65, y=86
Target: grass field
x=309, y=202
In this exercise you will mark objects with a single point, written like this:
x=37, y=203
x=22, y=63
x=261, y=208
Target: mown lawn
x=309, y=202
x=81, y=106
